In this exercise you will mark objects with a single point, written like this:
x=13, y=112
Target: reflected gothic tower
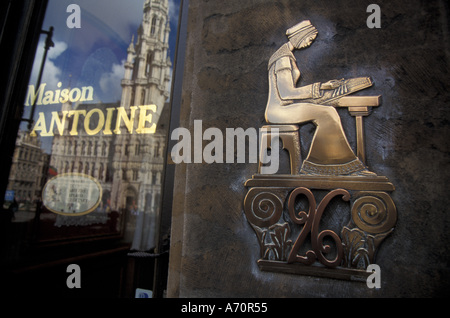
x=138, y=158
x=148, y=67
x=128, y=165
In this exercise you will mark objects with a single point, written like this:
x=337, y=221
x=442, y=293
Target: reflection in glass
x=93, y=116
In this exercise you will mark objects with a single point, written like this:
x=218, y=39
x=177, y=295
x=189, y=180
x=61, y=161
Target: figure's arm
x=333, y=84
x=286, y=86
x=287, y=90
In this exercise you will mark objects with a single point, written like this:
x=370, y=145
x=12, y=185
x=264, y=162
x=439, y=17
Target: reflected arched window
x=161, y=25
x=137, y=149
x=156, y=152
x=153, y=29
x=100, y=171
x=143, y=97
x=148, y=202
x=149, y=63
x=104, y=148
x=132, y=97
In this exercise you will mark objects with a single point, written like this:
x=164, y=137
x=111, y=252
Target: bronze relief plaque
x=290, y=213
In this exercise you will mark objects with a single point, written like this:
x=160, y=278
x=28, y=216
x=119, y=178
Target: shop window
x=80, y=125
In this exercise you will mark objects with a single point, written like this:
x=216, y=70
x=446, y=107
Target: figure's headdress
x=301, y=31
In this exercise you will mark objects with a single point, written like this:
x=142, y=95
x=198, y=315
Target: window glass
x=89, y=161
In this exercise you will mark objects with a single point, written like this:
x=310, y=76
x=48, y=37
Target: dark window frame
x=18, y=43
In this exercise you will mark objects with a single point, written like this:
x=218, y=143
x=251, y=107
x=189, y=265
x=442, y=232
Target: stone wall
x=213, y=248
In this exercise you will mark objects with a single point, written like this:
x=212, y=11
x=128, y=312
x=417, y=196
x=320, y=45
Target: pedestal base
x=270, y=208
x=314, y=270
x=377, y=183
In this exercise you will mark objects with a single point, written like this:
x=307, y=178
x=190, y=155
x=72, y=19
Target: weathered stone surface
x=214, y=250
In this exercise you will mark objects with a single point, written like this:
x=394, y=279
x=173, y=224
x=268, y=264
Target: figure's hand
x=333, y=84
x=341, y=90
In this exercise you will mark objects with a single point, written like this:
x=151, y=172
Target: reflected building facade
x=129, y=166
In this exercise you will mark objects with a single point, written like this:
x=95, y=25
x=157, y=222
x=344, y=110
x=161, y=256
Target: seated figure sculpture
x=330, y=152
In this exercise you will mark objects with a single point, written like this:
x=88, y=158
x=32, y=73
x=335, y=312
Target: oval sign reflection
x=72, y=194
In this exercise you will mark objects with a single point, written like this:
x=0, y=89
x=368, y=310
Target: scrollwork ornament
x=374, y=212
x=263, y=209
